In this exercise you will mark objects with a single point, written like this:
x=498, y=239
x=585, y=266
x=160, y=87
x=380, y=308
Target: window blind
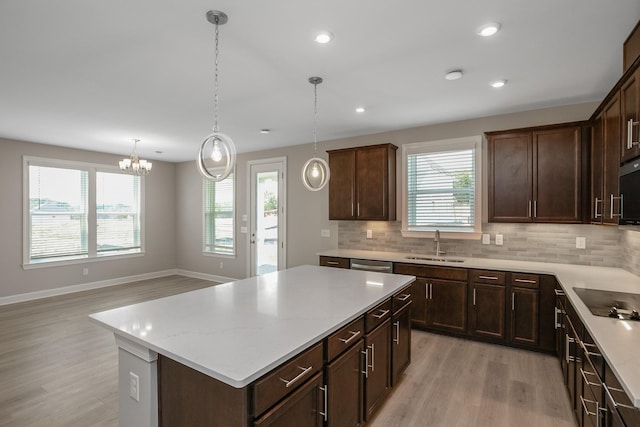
x=441, y=189
x=219, y=216
x=117, y=213
x=58, y=201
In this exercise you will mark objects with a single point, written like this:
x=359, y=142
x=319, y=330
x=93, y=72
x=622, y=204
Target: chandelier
x=315, y=172
x=134, y=165
x=217, y=155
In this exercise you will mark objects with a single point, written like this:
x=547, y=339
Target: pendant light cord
x=215, y=88
x=315, y=119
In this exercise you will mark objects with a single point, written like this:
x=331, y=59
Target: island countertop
x=238, y=331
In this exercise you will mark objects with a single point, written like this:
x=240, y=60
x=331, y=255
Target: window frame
x=92, y=255
x=470, y=142
x=233, y=215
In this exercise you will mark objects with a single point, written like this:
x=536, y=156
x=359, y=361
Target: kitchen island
x=229, y=336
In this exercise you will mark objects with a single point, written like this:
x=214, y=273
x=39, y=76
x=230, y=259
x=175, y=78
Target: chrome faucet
x=437, y=240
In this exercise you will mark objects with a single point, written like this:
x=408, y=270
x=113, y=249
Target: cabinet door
x=488, y=310
x=510, y=172
x=300, y=409
x=597, y=170
x=377, y=365
x=524, y=316
x=629, y=95
x=447, y=305
x=419, y=305
x=611, y=161
x=372, y=183
x=342, y=184
x=400, y=343
x=344, y=389
x=557, y=175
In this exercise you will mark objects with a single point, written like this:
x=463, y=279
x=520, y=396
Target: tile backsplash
x=605, y=246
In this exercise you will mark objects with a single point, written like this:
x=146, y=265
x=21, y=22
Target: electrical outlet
x=243, y=230
x=134, y=386
x=486, y=239
x=499, y=239
x=581, y=242
x=325, y=232
x=85, y=271
x=221, y=265
x=369, y=234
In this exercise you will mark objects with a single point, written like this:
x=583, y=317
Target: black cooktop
x=618, y=305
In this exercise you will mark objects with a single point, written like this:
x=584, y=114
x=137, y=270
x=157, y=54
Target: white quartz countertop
x=238, y=331
x=618, y=340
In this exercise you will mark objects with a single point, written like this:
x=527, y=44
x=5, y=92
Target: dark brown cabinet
x=535, y=175
x=524, y=294
x=377, y=358
x=605, y=163
x=487, y=305
x=337, y=262
x=344, y=388
x=400, y=341
x=363, y=183
x=630, y=104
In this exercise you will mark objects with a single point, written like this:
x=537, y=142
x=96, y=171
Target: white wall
x=159, y=227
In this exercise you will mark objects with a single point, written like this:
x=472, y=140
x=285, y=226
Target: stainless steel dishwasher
x=372, y=265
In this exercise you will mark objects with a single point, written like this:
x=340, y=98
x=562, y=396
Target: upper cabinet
x=630, y=103
x=535, y=174
x=363, y=183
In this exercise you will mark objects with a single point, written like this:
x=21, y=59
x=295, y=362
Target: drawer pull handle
x=488, y=277
x=305, y=371
x=584, y=406
x=587, y=352
x=556, y=312
x=404, y=297
x=351, y=338
x=397, y=338
x=382, y=314
x=325, y=391
x=586, y=381
x=616, y=404
x=559, y=292
x=366, y=362
x=373, y=355
x=333, y=263
x=526, y=281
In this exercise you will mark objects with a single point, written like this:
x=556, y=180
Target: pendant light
x=217, y=155
x=134, y=165
x=315, y=172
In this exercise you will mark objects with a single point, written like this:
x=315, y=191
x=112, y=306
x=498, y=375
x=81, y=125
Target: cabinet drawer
x=431, y=271
x=345, y=338
x=522, y=280
x=377, y=315
x=488, y=276
x=285, y=379
x=330, y=261
x=615, y=393
x=401, y=299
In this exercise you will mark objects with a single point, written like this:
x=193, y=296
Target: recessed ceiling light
x=360, y=110
x=498, y=83
x=265, y=131
x=323, y=37
x=489, y=29
x=453, y=75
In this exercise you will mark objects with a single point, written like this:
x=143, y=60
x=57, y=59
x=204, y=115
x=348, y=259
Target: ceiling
x=96, y=74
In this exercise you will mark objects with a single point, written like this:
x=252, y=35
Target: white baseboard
x=30, y=296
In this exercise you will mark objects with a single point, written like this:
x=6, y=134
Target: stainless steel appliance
x=629, y=193
x=372, y=265
x=619, y=305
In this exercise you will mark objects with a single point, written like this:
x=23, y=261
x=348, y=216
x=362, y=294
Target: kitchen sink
x=618, y=305
x=424, y=258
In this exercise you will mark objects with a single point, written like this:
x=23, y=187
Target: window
x=219, y=210
x=441, y=188
x=74, y=211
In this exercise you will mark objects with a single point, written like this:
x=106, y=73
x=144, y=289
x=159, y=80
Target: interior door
x=267, y=201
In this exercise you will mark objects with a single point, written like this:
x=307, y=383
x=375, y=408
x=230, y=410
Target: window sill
x=215, y=255
x=85, y=260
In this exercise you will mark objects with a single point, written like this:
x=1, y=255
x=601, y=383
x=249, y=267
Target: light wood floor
x=59, y=369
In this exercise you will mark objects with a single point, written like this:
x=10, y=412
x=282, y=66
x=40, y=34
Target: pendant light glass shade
x=217, y=155
x=315, y=172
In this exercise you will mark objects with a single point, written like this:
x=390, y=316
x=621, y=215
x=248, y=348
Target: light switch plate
x=581, y=242
x=243, y=229
x=499, y=239
x=486, y=239
x=369, y=234
x=325, y=232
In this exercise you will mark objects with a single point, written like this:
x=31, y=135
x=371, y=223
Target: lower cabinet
x=344, y=388
x=300, y=408
x=377, y=357
x=524, y=309
x=400, y=342
x=487, y=305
